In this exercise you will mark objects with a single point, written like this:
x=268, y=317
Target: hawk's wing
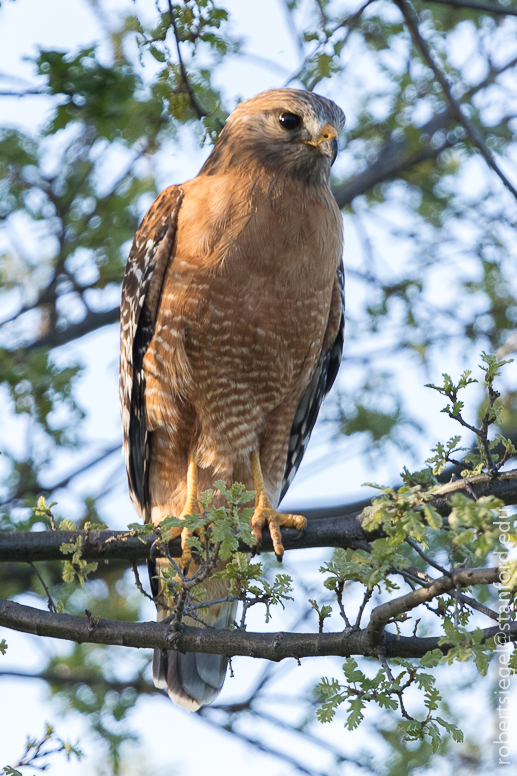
x=141, y=292
x=321, y=383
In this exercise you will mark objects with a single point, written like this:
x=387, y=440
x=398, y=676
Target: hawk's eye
x=290, y=121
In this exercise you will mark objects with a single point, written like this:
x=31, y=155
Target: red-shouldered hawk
x=232, y=332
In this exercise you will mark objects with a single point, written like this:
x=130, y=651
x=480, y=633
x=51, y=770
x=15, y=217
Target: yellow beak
x=327, y=133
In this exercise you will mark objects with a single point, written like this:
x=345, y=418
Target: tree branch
x=455, y=107
x=23, y=489
x=393, y=159
x=270, y=646
x=388, y=611
x=334, y=528
x=184, y=76
x=91, y=679
x=490, y=8
x=26, y=93
x=90, y=322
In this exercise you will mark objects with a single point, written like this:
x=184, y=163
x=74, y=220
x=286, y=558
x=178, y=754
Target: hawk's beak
x=327, y=142
x=327, y=133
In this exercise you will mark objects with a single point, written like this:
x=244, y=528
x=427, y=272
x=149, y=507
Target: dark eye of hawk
x=290, y=121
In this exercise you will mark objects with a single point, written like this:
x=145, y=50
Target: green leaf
x=431, y=659
x=67, y=525
x=352, y=672
x=452, y=729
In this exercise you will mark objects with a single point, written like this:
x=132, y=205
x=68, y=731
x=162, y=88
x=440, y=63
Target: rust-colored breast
x=236, y=344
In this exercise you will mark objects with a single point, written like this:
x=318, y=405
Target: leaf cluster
x=37, y=752
x=386, y=691
x=484, y=458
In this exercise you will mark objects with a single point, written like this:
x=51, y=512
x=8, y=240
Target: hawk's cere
x=232, y=331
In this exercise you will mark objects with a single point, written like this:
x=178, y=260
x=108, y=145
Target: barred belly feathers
x=232, y=322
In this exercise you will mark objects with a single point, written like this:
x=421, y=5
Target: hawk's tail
x=194, y=679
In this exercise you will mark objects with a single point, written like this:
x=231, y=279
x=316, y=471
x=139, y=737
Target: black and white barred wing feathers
x=321, y=383
x=141, y=293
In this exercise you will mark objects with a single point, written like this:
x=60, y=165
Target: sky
x=65, y=24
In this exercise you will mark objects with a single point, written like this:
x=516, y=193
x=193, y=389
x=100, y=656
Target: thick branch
x=90, y=322
x=271, y=646
x=104, y=544
x=490, y=8
x=393, y=160
x=386, y=612
x=24, y=488
x=334, y=530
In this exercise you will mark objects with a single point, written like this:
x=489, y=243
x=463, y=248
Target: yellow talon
x=265, y=514
x=191, y=508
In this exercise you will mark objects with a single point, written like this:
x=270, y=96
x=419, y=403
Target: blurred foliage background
x=430, y=260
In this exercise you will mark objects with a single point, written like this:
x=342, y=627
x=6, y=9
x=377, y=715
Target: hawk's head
x=285, y=130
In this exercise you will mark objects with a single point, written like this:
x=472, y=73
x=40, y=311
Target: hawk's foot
x=191, y=508
x=265, y=515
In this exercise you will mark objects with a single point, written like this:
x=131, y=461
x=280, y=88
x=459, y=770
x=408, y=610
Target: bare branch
x=427, y=559
x=491, y=8
x=50, y=601
x=393, y=159
x=138, y=583
x=386, y=612
x=336, y=530
x=455, y=107
x=26, y=93
x=366, y=597
x=21, y=491
x=271, y=646
x=465, y=599
x=91, y=679
x=90, y=322
x=259, y=744
x=184, y=76
x=349, y=22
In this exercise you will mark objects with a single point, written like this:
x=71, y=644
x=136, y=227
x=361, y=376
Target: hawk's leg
x=265, y=514
x=191, y=508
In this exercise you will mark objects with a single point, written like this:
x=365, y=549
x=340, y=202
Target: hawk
x=232, y=321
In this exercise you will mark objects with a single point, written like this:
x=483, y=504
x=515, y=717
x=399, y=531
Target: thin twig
x=178, y=611
x=138, y=582
x=339, y=596
x=184, y=77
x=367, y=595
x=476, y=605
x=412, y=23
x=455, y=595
x=349, y=22
x=384, y=664
x=50, y=601
x=27, y=93
x=206, y=604
x=470, y=491
x=260, y=745
x=427, y=559
x=460, y=596
x=389, y=611
x=188, y=613
x=403, y=708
